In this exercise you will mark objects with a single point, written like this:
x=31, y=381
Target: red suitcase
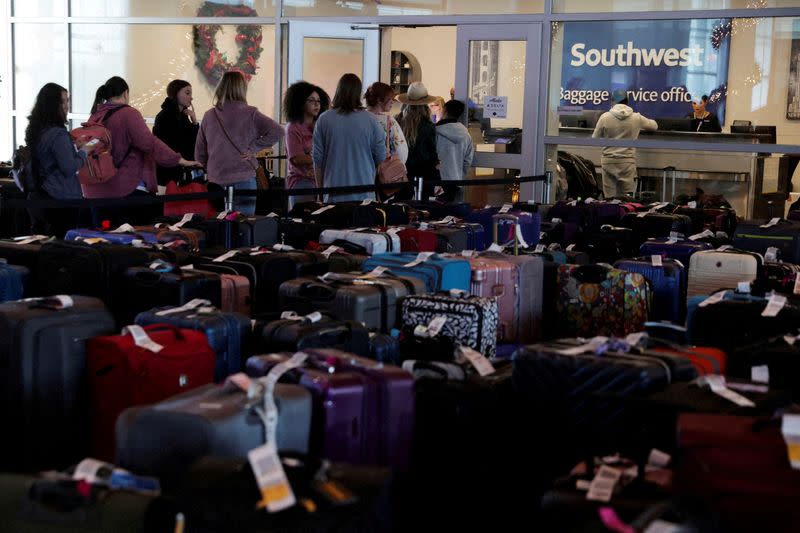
x=122, y=375
x=705, y=360
x=417, y=240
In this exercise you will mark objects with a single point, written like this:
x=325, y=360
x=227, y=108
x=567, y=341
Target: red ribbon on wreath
x=207, y=56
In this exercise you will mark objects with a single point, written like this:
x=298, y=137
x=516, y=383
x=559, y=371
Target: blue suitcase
x=681, y=250
x=438, y=273
x=113, y=238
x=228, y=333
x=668, y=283
x=530, y=225
x=13, y=281
x=785, y=236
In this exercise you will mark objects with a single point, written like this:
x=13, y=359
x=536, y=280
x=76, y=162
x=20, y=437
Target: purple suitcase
x=339, y=426
x=125, y=238
x=681, y=250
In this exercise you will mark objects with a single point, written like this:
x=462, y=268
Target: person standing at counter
x=619, y=163
x=702, y=119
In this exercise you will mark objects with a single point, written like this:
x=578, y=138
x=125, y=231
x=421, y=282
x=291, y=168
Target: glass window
x=150, y=56
x=482, y=195
x=337, y=8
x=174, y=8
x=496, y=95
x=666, y=67
x=325, y=60
x=39, y=8
x=40, y=56
x=611, y=6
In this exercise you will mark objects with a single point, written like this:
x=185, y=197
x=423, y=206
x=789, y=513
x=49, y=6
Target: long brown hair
x=348, y=94
x=410, y=119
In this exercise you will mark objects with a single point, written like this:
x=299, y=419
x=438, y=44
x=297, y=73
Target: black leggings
x=55, y=222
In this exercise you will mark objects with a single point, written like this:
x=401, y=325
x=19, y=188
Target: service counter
x=736, y=175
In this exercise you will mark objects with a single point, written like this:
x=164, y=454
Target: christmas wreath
x=207, y=56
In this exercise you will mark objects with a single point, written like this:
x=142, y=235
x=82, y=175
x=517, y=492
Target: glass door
x=321, y=52
x=497, y=76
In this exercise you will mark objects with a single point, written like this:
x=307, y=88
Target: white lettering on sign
x=627, y=55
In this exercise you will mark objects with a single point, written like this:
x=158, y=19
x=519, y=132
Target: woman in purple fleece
x=231, y=134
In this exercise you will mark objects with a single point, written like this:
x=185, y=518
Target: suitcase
x=13, y=281
x=778, y=277
x=457, y=237
x=299, y=333
x=46, y=505
x=26, y=255
x=228, y=333
x=588, y=215
x=668, y=283
x=418, y=240
x=122, y=374
x=471, y=320
x=372, y=301
x=712, y=270
x=529, y=225
x=709, y=218
x=439, y=210
x=165, y=439
x=340, y=262
x=385, y=349
x=561, y=233
x=785, y=236
x=374, y=242
x=425, y=349
x=342, y=406
x=680, y=250
x=297, y=233
x=781, y=359
x=240, y=231
x=655, y=225
x=143, y=288
x=598, y=300
x=125, y=238
x=437, y=272
x=705, y=360
x=307, y=263
x=43, y=380
x=173, y=236
x=390, y=422
x=609, y=243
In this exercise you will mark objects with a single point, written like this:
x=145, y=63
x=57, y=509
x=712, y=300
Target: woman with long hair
x=302, y=105
x=380, y=99
x=348, y=143
x=54, y=160
x=135, y=150
x=176, y=125
x=415, y=121
x=231, y=135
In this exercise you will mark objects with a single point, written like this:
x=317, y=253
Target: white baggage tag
x=674, y=235
x=224, y=257
x=290, y=315
x=273, y=214
x=314, y=317
x=718, y=387
x=656, y=260
x=743, y=287
x=520, y=238
x=662, y=526
x=642, y=214
x=790, y=429
x=571, y=247
x=790, y=339
x=375, y=273
x=467, y=253
x=192, y=304
x=616, y=201
x=633, y=339
x=30, y=239
x=506, y=208
x=714, y=298
x=223, y=214
x=421, y=331
x=125, y=228
x=322, y=210
x=187, y=267
x=775, y=303
x=367, y=202
x=326, y=277
x=771, y=254
x=590, y=346
x=724, y=248
x=142, y=339
x=772, y=222
x=447, y=220
x=436, y=325
x=760, y=374
x=658, y=459
x=589, y=200
x=423, y=225
x=298, y=220
x=602, y=486
x=796, y=289
x=331, y=250
x=276, y=493
x=539, y=249
x=477, y=360
x=88, y=469
x=393, y=231
x=573, y=203
x=283, y=247
x=421, y=258
x=692, y=205
x=701, y=235
x=555, y=221
x=494, y=247
x=186, y=218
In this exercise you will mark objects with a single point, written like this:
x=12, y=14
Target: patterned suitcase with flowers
x=600, y=300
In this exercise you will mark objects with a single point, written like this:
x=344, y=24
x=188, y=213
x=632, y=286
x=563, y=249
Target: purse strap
x=230, y=140
x=388, y=134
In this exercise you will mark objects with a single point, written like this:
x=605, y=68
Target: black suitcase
x=781, y=359
x=308, y=263
x=297, y=233
x=654, y=225
x=609, y=244
x=290, y=335
x=248, y=231
x=144, y=288
x=43, y=376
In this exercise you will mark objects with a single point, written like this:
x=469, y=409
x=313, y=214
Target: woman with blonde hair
x=230, y=135
x=437, y=109
x=420, y=133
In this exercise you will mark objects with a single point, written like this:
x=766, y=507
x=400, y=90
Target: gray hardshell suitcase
x=166, y=438
x=372, y=301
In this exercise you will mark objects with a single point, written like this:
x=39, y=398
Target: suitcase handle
x=166, y=327
x=316, y=291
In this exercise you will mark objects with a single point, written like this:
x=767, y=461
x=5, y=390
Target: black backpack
x=22, y=170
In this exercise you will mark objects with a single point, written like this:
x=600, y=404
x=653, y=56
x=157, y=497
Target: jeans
x=307, y=183
x=246, y=205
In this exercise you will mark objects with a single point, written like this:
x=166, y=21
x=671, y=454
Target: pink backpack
x=99, y=167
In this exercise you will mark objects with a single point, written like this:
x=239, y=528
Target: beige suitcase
x=712, y=270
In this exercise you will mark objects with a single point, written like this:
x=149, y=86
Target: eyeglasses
x=313, y=101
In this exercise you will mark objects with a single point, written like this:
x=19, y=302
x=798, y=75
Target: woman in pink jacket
x=136, y=152
x=231, y=134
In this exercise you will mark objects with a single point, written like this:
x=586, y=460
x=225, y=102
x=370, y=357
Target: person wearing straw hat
x=415, y=121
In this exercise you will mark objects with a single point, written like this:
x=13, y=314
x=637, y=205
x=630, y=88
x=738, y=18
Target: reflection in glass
x=330, y=8
x=325, y=60
x=496, y=69
x=40, y=56
x=605, y=6
x=170, y=8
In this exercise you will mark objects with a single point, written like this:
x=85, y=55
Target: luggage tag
x=520, y=238
x=775, y=303
x=375, y=273
x=283, y=248
x=322, y=210
x=592, y=346
x=602, y=486
x=224, y=257
x=540, y=248
x=589, y=200
x=92, y=240
x=30, y=239
x=367, y=202
x=446, y=220
x=718, y=386
x=555, y=221
x=743, y=287
x=141, y=338
x=57, y=303
x=701, y=235
x=222, y=215
x=494, y=247
x=189, y=306
x=656, y=260
x=772, y=222
x=421, y=258
x=505, y=208
x=790, y=429
x=471, y=253
x=760, y=374
x=258, y=250
x=273, y=214
x=692, y=205
x=477, y=360
x=92, y=471
x=162, y=266
x=571, y=248
x=714, y=298
x=125, y=228
x=573, y=203
x=771, y=255
x=330, y=251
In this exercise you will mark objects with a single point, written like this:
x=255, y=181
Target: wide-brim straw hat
x=417, y=95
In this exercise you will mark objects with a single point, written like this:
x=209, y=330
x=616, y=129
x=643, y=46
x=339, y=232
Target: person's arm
x=318, y=151
x=295, y=151
x=68, y=159
x=599, y=129
x=400, y=144
x=648, y=124
x=378, y=143
x=268, y=131
x=469, y=154
x=201, y=146
x=143, y=140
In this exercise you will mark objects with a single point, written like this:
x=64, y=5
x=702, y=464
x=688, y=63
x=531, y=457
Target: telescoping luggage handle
x=518, y=239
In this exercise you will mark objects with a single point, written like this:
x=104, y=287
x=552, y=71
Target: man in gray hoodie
x=454, y=147
x=619, y=163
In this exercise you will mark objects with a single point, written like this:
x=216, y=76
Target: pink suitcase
x=498, y=278
x=235, y=294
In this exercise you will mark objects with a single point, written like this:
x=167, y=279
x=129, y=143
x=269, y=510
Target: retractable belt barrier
x=52, y=203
